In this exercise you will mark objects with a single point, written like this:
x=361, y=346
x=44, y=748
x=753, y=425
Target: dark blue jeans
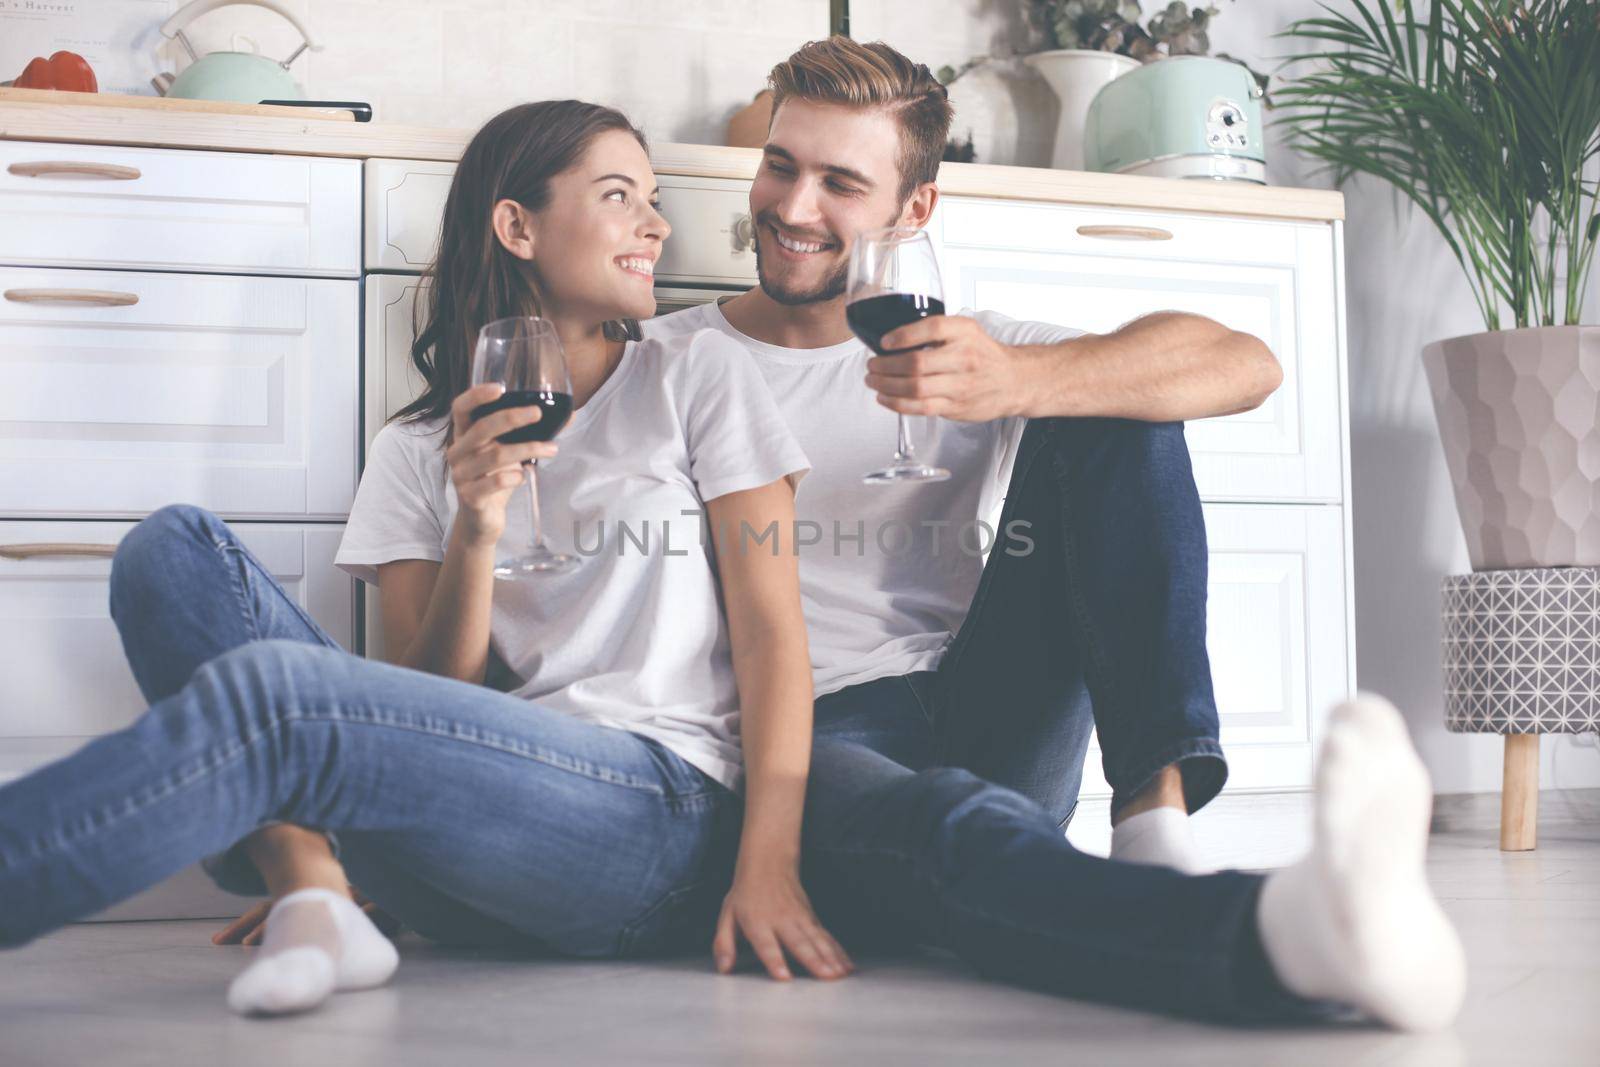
x=1102, y=625
x=936, y=803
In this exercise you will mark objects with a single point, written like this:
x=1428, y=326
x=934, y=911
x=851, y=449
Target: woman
x=593, y=811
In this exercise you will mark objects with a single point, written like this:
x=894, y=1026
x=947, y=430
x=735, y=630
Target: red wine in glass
x=893, y=280
x=524, y=355
x=555, y=410
x=875, y=316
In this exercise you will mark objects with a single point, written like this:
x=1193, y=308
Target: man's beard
x=832, y=286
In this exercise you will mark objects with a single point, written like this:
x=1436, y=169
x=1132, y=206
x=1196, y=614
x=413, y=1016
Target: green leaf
x=1482, y=113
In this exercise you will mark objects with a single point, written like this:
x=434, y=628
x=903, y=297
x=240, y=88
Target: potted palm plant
x=1485, y=114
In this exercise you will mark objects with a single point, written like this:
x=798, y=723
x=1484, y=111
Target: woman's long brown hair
x=474, y=279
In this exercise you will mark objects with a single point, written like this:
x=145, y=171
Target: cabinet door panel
x=1269, y=279
x=238, y=394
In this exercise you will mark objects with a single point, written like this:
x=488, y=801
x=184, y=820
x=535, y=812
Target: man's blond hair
x=841, y=71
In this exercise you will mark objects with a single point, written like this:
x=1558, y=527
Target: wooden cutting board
x=161, y=103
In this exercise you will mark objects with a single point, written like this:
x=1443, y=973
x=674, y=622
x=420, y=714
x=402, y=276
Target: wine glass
x=525, y=355
x=894, y=280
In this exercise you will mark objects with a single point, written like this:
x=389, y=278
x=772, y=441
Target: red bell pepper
x=64, y=70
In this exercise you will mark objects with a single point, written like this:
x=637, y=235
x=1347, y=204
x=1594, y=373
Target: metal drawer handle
x=64, y=168
x=102, y=298
x=1126, y=233
x=46, y=548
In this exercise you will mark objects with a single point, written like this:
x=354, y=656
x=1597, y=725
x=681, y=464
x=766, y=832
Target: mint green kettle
x=239, y=76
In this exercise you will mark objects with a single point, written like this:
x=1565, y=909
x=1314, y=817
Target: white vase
x=1075, y=75
x=1519, y=416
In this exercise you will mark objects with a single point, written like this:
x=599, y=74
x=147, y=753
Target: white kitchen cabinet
x=1276, y=622
x=1096, y=269
x=240, y=394
x=1274, y=479
x=71, y=205
x=66, y=678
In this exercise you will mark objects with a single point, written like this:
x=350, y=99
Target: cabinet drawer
x=1277, y=638
x=405, y=203
x=66, y=677
x=237, y=394
x=163, y=209
x=1096, y=269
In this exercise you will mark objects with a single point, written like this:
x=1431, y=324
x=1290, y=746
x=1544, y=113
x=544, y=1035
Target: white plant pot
x=1519, y=416
x=1075, y=75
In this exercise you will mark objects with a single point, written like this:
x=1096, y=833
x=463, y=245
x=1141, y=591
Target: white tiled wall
x=679, y=68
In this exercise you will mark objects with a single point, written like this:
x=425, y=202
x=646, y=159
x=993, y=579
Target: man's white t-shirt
x=633, y=637
x=894, y=567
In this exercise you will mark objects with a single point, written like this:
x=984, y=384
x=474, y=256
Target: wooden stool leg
x=1519, y=794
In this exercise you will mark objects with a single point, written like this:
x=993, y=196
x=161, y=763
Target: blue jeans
x=936, y=799
x=1101, y=626
x=470, y=815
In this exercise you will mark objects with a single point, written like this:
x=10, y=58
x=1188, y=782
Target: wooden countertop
x=89, y=123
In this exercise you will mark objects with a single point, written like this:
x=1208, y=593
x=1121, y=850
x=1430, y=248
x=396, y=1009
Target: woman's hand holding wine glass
x=523, y=355
x=484, y=471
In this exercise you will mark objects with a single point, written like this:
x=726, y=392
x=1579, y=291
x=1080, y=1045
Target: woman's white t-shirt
x=633, y=637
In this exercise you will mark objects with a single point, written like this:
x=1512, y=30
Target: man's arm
x=1169, y=366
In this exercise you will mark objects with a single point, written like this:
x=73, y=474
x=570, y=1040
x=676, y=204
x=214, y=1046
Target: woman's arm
x=436, y=615
x=771, y=662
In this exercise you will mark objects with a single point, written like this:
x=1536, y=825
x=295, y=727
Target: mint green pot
x=239, y=76
x=1183, y=116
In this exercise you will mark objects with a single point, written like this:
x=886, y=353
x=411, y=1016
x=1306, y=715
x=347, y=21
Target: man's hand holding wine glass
x=946, y=365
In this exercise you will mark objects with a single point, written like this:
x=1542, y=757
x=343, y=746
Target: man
x=955, y=698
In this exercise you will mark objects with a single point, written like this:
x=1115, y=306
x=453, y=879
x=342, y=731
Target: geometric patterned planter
x=1522, y=658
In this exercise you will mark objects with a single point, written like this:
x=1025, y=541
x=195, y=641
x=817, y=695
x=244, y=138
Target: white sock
x=1355, y=922
x=316, y=941
x=1159, y=837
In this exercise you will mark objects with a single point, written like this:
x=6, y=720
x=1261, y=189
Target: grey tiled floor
x=151, y=993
